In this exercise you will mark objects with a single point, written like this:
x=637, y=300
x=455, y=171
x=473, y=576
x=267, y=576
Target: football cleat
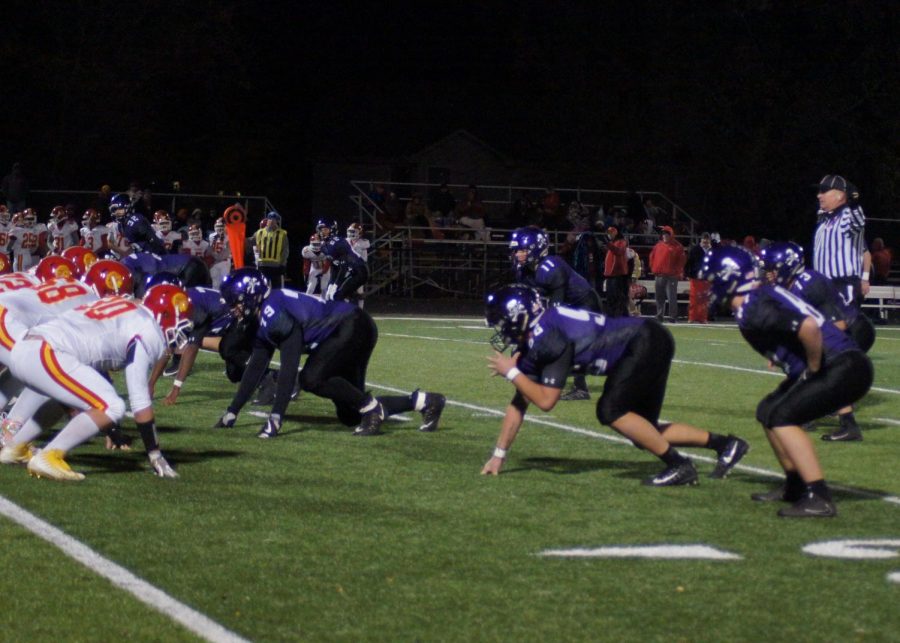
x=734, y=450
x=575, y=394
x=370, y=424
x=172, y=367
x=431, y=412
x=16, y=454
x=847, y=433
x=683, y=473
x=49, y=463
x=271, y=427
x=226, y=421
x=810, y=505
x=778, y=494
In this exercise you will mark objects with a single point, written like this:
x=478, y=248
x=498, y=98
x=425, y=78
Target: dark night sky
x=733, y=108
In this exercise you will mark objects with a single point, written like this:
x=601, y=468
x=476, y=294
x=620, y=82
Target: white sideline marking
x=146, y=593
x=855, y=549
x=894, y=577
x=767, y=473
x=670, y=552
x=889, y=421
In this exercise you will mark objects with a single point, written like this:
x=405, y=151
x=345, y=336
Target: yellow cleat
x=50, y=464
x=16, y=454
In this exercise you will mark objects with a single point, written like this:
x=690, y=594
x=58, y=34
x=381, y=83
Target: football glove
x=160, y=467
x=271, y=428
x=330, y=292
x=226, y=421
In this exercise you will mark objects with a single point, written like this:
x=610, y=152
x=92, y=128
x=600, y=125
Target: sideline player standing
x=634, y=353
x=825, y=372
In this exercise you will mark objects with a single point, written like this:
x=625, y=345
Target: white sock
x=28, y=432
x=80, y=428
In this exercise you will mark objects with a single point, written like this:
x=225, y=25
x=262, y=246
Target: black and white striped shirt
x=840, y=242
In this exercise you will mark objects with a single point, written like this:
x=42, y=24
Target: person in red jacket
x=667, y=259
x=615, y=270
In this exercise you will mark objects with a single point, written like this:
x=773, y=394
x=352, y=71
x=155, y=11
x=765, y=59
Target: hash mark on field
x=767, y=473
x=669, y=552
x=153, y=597
x=888, y=421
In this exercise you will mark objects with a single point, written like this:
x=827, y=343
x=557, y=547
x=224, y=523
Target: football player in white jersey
x=60, y=360
x=5, y=227
x=316, y=267
x=360, y=245
x=162, y=222
x=94, y=235
x=196, y=245
x=63, y=230
x=220, y=250
x=28, y=240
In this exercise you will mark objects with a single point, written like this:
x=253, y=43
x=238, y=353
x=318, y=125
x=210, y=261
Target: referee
x=272, y=250
x=840, y=242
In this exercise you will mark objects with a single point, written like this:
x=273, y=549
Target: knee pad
x=116, y=409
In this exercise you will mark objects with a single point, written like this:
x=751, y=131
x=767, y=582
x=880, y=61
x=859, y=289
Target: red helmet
x=219, y=226
x=54, y=267
x=195, y=233
x=108, y=277
x=5, y=265
x=173, y=311
x=81, y=257
x=29, y=218
x=90, y=218
x=59, y=214
x=162, y=221
x=354, y=231
x=315, y=242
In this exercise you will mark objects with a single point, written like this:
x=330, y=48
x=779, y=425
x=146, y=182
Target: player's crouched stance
x=339, y=338
x=825, y=372
x=56, y=361
x=634, y=353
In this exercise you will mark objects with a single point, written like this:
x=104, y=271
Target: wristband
x=511, y=375
x=865, y=276
x=178, y=383
x=500, y=453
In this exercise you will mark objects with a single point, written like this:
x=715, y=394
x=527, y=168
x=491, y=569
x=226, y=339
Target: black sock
x=794, y=485
x=672, y=458
x=717, y=442
x=394, y=404
x=847, y=418
x=819, y=488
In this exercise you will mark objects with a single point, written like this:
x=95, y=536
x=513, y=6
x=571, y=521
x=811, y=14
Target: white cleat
x=16, y=454
x=49, y=463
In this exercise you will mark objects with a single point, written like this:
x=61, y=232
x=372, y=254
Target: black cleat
x=680, y=474
x=734, y=450
x=370, y=424
x=431, y=412
x=575, y=394
x=849, y=433
x=778, y=494
x=810, y=506
x=172, y=367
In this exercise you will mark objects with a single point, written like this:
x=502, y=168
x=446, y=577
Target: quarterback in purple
x=634, y=354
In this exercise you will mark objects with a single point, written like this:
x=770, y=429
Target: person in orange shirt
x=615, y=271
x=667, y=259
x=698, y=310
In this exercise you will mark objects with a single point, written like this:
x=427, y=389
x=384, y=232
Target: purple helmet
x=329, y=224
x=511, y=312
x=533, y=240
x=162, y=278
x=246, y=287
x=731, y=271
x=784, y=258
x=120, y=205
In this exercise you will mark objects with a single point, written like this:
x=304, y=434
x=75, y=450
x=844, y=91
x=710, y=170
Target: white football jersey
x=63, y=235
x=218, y=247
x=4, y=235
x=170, y=239
x=95, y=239
x=195, y=248
x=102, y=334
x=27, y=241
x=360, y=246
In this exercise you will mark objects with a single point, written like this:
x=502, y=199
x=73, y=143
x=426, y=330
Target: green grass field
x=319, y=535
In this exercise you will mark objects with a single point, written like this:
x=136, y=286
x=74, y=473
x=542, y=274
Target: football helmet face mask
x=82, y=258
x=55, y=267
x=108, y=277
x=731, y=270
x=527, y=246
x=244, y=290
x=315, y=242
x=354, y=231
x=219, y=227
x=172, y=309
x=120, y=206
x=91, y=218
x=782, y=262
x=194, y=232
x=59, y=214
x=163, y=222
x=511, y=312
x=29, y=218
x=326, y=228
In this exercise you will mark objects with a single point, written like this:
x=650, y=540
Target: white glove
x=160, y=467
x=226, y=421
x=330, y=292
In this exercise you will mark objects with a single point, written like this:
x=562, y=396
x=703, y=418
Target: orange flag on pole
x=236, y=229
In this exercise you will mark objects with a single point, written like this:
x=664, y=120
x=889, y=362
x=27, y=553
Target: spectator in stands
x=471, y=213
x=698, y=309
x=667, y=261
x=615, y=272
x=417, y=213
x=15, y=188
x=379, y=195
x=550, y=202
x=443, y=206
x=517, y=211
x=881, y=262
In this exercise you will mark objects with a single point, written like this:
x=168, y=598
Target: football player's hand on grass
x=492, y=467
x=172, y=397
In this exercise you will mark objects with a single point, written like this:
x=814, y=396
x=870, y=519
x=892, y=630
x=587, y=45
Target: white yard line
x=153, y=597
